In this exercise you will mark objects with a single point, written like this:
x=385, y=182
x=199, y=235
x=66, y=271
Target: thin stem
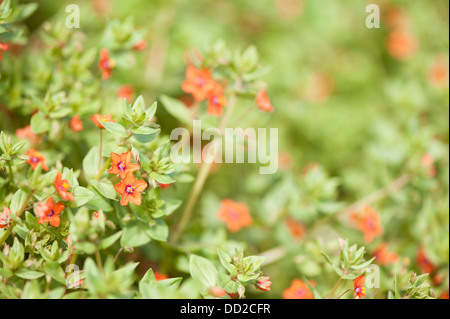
x=334, y=288
x=342, y=294
x=117, y=255
x=99, y=260
x=103, y=169
x=202, y=176
x=100, y=150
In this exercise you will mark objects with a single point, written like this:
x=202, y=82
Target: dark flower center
x=52, y=212
x=129, y=189
x=35, y=159
x=122, y=166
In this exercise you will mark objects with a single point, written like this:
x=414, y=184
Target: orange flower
x=217, y=292
x=198, y=82
x=76, y=124
x=397, y=18
x=297, y=290
x=35, y=159
x=369, y=223
x=126, y=92
x=4, y=217
x=130, y=189
x=425, y=265
x=360, y=290
x=106, y=64
x=121, y=164
x=62, y=186
x=3, y=47
x=26, y=132
x=99, y=214
x=319, y=87
x=163, y=186
x=296, y=229
x=159, y=276
x=140, y=45
x=263, y=283
x=216, y=100
x=97, y=119
x=438, y=74
x=235, y=215
x=444, y=295
x=263, y=102
x=428, y=163
x=401, y=44
x=383, y=256
x=48, y=212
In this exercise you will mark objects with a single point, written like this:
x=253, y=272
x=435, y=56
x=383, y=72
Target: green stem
x=201, y=178
x=100, y=150
x=99, y=260
x=103, y=169
x=334, y=288
x=342, y=294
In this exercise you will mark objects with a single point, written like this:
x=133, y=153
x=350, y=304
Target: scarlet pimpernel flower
x=425, y=265
x=126, y=92
x=27, y=133
x=298, y=290
x=198, y=82
x=263, y=283
x=383, y=255
x=130, y=189
x=358, y=287
x=3, y=47
x=216, y=100
x=76, y=124
x=121, y=164
x=35, y=158
x=98, y=119
x=106, y=64
x=263, y=102
x=62, y=186
x=4, y=217
x=235, y=215
x=48, y=212
x=369, y=223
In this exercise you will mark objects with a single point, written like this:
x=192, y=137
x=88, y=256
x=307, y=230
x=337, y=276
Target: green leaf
x=105, y=188
x=363, y=265
x=115, y=129
x=163, y=179
x=28, y=274
x=54, y=270
x=145, y=134
x=159, y=231
x=39, y=124
x=150, y=112
x=82, y=195
x=135, y=234
x=335, y=268
x=18, y=201
x=90, y=162
x=203, y=270
x=226, y=261
x=148, y=280
x=109, y=241
x=177, y=109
